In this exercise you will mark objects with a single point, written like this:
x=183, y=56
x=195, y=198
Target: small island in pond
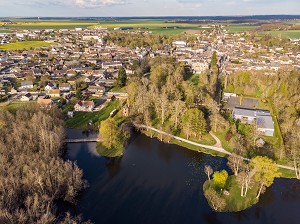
x=242, y=189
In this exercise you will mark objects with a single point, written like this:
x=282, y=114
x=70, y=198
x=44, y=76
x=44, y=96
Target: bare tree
x=208, y=171
x=235, y=162
x=217, y=202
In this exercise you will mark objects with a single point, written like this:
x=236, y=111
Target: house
x=97, y=90
x=26, y=97
x=245, y=115
x=89, y=79
x=3, y=92
x=87, y=106
x=262, y=119
x=179, y=43
x=45, y=103
x=13, y=90
x=50, y=86
x=64, y=87
x=54, y=93
x=27, y=85
x=71, y=73
x=112, y=64
x=117, y=95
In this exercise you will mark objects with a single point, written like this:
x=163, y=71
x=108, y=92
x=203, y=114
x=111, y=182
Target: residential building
x=27, y=85
x=262, y=119
x=87, y=106
x=26, y=97
x=64, y=87
x=54, y=93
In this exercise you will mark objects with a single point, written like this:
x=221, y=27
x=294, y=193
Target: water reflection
x=113, y=166
x=159, y=183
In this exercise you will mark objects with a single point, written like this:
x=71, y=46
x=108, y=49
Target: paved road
x=216, y=147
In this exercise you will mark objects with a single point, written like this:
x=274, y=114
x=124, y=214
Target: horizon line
x=156, y=16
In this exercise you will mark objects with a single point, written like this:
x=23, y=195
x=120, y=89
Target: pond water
x=156, y=182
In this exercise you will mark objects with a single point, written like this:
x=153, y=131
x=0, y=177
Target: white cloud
x=41, y=4
x=97, y=3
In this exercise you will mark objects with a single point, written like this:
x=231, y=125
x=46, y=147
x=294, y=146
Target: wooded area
x=33, y=175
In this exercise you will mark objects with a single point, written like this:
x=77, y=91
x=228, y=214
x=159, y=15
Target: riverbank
x=286, y=171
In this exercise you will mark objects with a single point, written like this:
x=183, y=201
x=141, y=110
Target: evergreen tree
x=122, y=77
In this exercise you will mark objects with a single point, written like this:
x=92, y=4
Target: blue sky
x=64, y=8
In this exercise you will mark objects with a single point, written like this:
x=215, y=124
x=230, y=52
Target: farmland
x=241, y=27
x=24, y=45
x=283, y=33
x=154, y=26
x=50, y=25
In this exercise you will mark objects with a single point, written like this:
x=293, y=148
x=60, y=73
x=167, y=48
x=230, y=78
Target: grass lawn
x=13, y=106
x=24, y=45
x=118, y=89
x=82, y=119
x=283, y=33
x=197, y=148
x=287, y=173
x=206, y=139
x=234, y=201
x=226, y=145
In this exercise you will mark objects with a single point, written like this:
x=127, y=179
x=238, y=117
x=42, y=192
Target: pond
x=155, y=182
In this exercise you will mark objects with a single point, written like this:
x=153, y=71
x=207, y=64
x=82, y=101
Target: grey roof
x=25, y=83
x=233, y=102
x=244, y=112
x=265, y=121
x=263, y=113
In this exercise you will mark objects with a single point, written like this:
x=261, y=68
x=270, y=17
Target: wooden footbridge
x=81, y=140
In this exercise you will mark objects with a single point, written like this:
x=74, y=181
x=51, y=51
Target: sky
x=119, y=8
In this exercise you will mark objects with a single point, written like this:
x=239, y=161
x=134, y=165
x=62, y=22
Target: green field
x=240, y=28
x=5, y=31
x=50, y=25
x=283, y=33
x=24, y=45
x=81, y=119
x=155, y=26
